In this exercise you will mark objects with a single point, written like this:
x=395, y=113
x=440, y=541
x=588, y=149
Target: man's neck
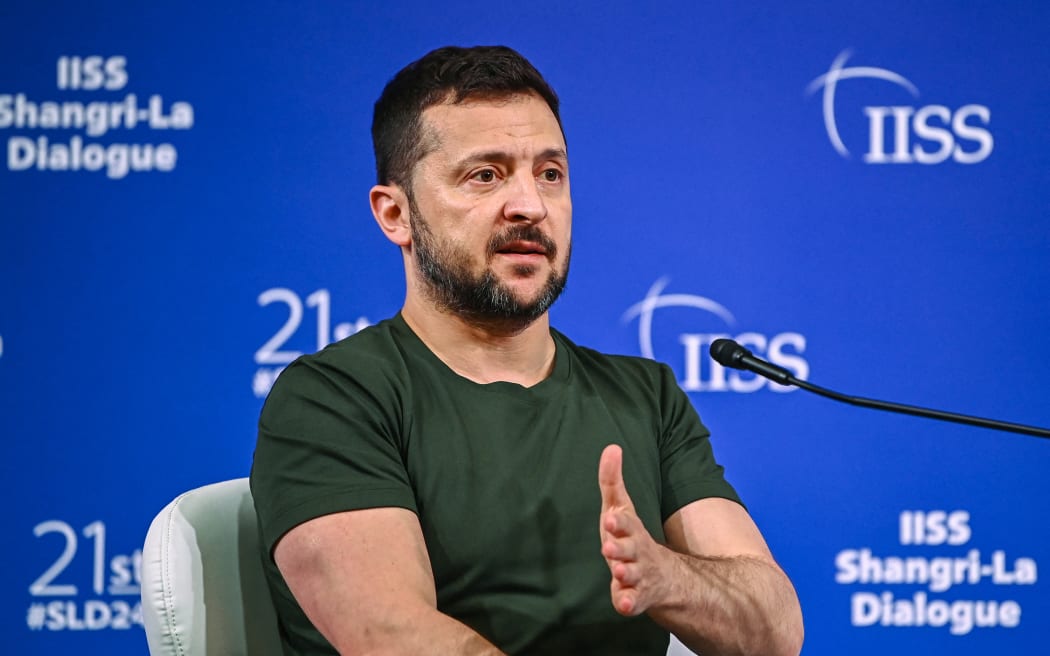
x=485, y=352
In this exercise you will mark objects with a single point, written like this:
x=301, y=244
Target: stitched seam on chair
x=168, y=601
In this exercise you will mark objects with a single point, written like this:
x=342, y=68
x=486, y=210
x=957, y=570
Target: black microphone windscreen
x=727, y=353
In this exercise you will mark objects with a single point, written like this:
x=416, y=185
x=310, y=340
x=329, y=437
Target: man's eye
x=552, y=175
x=487, y=175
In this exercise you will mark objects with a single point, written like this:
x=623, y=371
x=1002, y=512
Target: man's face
x=490, y=209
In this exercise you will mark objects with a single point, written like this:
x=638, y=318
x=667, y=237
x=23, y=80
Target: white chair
x=203, y=588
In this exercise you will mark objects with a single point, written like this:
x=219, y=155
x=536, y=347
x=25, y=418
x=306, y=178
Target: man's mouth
x=522, y=247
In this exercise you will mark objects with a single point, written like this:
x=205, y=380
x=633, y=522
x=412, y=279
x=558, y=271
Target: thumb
x=610, y=478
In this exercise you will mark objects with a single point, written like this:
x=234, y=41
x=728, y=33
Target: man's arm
x=363, y=577
x=715, y=586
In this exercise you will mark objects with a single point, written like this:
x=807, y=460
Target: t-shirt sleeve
x=687, y=463
x=329, y=440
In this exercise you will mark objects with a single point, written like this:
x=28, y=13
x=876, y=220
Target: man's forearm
x=732, y=600
x=735, y=605
x=423, y=633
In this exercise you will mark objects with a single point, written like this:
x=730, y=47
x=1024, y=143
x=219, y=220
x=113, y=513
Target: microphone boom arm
x=730, y=354
x=922, y=412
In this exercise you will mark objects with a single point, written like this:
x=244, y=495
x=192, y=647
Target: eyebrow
x=502, y=156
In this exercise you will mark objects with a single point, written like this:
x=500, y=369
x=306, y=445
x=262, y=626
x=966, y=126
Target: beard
x=482, y=298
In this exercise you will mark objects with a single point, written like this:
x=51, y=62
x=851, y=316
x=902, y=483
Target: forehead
x=518, y=123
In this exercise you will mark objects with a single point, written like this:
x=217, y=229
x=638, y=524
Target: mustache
x=522, y=233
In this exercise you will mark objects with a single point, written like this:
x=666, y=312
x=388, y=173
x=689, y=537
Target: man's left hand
x=637, y=563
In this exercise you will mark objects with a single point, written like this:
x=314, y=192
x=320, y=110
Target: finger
x=620, y=523
x=623, y=550
x=627, y=575
x=610, y=478
x=624, y=601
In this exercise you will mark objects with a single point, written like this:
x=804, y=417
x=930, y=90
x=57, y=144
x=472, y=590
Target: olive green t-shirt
x=503, y=478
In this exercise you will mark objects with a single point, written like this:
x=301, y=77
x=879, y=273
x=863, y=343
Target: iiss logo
x=701, y=372
x=928, y=134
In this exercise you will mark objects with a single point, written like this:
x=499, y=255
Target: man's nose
x=524, y=201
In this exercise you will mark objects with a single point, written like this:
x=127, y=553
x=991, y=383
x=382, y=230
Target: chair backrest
x=203, y=588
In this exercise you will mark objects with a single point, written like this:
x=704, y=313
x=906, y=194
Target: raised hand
x=637, y=563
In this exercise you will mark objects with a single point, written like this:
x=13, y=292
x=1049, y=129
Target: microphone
x=728, y=353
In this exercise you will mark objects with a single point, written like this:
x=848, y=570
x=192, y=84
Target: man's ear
x=390, y=208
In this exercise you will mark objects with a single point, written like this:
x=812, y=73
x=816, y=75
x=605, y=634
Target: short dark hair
x=449, y=74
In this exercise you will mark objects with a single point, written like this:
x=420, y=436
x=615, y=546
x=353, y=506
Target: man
x=462, y=479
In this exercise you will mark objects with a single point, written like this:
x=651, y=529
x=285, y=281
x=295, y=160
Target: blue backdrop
x=856, y=191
